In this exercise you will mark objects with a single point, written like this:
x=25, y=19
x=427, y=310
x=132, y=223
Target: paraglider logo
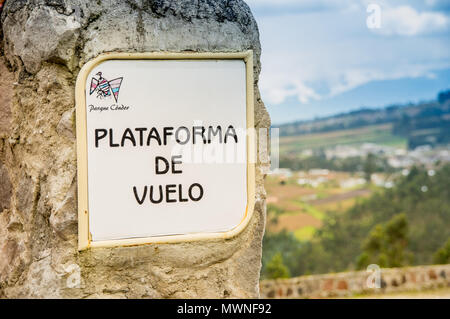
x=105, y=88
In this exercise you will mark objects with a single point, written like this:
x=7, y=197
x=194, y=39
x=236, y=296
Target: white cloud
x=277, y=88
x=320, y=54
x=350, y=79
x=353, y=78
x=406, y=21
x=276, y=93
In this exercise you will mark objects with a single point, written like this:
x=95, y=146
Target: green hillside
x=409, y=125
x=378, y=134
x=406, y=225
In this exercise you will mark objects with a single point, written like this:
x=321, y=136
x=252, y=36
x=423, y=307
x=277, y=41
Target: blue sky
x=321, y=58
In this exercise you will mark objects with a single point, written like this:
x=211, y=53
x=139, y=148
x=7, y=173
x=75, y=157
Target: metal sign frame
x=84, y=236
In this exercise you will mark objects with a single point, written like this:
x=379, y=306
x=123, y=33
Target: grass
x=378, y=134
x=293, y=223
x=313, y=211
x=338, y=206
x=305, y=233
x=291, y=212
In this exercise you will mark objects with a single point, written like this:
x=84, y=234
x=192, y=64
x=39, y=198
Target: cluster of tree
x=429, y=126
x=276, y=268
x=442, y=256
x=444, y=96
x=386, y=245
x=345, y=121
x=406, y=225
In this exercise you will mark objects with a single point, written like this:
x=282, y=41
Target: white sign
x=163, y=151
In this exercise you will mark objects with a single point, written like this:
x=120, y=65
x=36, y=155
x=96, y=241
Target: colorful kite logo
x=105, y=88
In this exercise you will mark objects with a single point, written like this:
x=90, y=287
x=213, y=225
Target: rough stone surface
x=6, y=95
x=43, y=44
x=5, y=188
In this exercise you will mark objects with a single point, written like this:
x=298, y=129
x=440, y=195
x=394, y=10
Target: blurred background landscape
x=364, y=122
x=369, y=186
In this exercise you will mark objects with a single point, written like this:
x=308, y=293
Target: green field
x=377, y=134
x=289, y=210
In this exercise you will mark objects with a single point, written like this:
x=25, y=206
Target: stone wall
x=43, y=45
x=358, y=282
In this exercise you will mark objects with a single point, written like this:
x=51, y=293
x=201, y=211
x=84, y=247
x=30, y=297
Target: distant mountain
x=424, y=123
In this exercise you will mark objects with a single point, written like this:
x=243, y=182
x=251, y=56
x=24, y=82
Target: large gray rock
x=80, y=30
x=45, y=43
